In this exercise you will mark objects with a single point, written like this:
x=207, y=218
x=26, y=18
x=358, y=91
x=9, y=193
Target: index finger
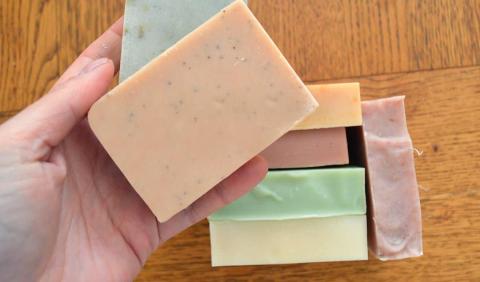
x=108, y=45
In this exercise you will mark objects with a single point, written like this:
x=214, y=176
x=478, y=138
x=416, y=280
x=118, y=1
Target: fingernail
x=94, y=65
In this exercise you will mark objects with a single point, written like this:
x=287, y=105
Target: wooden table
x=428, y=50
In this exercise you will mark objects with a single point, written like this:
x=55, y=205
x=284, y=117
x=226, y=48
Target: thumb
x=51, y=118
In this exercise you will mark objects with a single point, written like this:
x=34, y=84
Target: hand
x=66, y=211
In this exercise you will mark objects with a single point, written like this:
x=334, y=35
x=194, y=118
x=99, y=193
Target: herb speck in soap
x=131, y=116
x=217, y=47
x=144, y=106
x=141, y=31
x=208, y=57
x=169, y=83
x=195, y=119
x=221, y=57
x=219, y=86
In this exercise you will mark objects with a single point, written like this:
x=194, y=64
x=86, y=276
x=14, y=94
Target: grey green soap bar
x=153, y=26
x=304, y=193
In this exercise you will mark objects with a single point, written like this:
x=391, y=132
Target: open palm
x=67, y=212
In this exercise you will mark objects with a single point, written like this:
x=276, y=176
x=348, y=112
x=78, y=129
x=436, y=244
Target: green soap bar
x=153, y=26
x=305, y=193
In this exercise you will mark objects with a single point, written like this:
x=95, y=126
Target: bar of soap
x=293, y=194
x=308, y=148
x=153, y=26
x=340, y=238
x=339, y=106
x=395, y=216
x=200, y=110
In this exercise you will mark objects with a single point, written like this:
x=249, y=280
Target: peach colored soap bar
x=339, y=106
x=395, y=223
x=200, y=110
x=308, y=148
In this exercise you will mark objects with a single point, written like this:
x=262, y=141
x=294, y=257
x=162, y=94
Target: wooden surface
x=428, y=50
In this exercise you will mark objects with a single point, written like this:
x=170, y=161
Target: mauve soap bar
x=308, y=148
x=395, y=223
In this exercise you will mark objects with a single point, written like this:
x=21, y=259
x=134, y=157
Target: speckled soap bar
x=153, y=26
x=200, y=110
x=302, y=193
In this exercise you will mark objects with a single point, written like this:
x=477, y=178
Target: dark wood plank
x=443, y=113
x=326, y=39
x=39, y=39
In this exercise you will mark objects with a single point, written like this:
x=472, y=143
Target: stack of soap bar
x=395, y=225
x=153, y=26
x=294, y=216
x=320, y=139
x=200, y=110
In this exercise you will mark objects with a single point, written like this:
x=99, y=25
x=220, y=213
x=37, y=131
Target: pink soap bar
x=395, y=224
x=308, y=148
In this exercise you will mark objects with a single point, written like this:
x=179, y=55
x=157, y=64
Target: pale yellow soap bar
x=338, y=238
x=200, y=110
x=339, y=106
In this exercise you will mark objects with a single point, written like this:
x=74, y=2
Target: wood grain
x=443, y=111
x=39, y=39
x=323, y=39
x=333, y=39
x=428, y=50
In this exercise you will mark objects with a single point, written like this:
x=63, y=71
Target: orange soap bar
x=308, y=148
x=339, y=106
x=200, y=110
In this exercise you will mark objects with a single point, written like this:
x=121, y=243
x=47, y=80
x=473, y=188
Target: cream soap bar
x=339, y=106
x=339, y=238
x=200, y=110
x=306, y=193
x=395, y=216
x=308, y=148
x=153, y=26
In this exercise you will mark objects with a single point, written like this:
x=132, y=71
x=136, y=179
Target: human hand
x=67, y=212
